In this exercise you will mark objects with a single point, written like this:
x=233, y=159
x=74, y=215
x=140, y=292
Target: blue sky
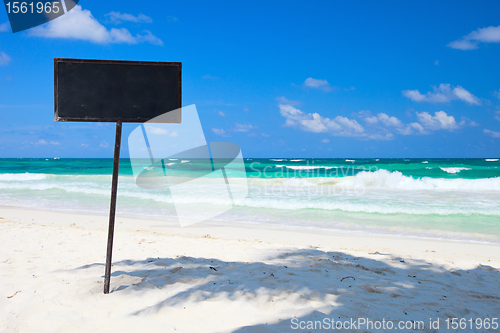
x=281, y=79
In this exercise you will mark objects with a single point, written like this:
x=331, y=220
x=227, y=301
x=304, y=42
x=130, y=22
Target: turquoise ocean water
x=439, y=198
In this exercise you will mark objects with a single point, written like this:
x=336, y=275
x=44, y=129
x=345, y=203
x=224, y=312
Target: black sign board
x=116, y=91
x=109, y=90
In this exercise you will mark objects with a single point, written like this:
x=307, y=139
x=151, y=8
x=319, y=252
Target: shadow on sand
x=310, y=286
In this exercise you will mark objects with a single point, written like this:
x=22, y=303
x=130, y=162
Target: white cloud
x=416, y=96
x=243, y=127
x=463, y=45
x=440, y=120
x=325, y=140
x=442, y=94
x=377, y=136
x=222, y=114
x=218, y=131
x=389, y=120
x=84, y=145
x=380, y=119
x=286, y=101
x=491, y=133
x=160, y=131
x=467, y=122
x=426, y=123
x=104, y=144
x=157, y=130
x=4, y=58
x=246, y=109
x=436, y=62
x=482, y=35
x=313, y=122
x=317, y=84
x=486, y=35
x=497, y=116
x=371, y=119
x=384, y=119
x=466, y=96
x=378, y=124
x=412, y=128
x=42, y=142
x=497, y=93
x=379, y=127
x=5, y=27
x=81, y=25
x=117, y=18
x=148, y=37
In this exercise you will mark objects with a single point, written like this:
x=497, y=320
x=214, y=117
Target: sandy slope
x=219, y=279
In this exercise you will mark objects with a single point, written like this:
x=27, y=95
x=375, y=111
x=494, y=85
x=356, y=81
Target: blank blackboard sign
x=116, y=91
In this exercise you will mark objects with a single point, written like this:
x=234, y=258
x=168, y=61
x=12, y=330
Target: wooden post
x=112, y=208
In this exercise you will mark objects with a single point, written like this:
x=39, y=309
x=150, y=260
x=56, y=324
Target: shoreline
x=453, y=237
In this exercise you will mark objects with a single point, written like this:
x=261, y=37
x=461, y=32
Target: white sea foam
x=296, y=160
x=305, y=167
x=387, y=180
x=381, y=192
x=277, y=160
x=350, y=160
x=383, y=179
x=184, y=161
x=491, y=159
x=425, y=162
x=85, y=188
x=454, y=170
x=19, y=177
x=44, y=186
x=364, y=207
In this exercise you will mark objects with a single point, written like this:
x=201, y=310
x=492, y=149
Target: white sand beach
x=206, y=278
